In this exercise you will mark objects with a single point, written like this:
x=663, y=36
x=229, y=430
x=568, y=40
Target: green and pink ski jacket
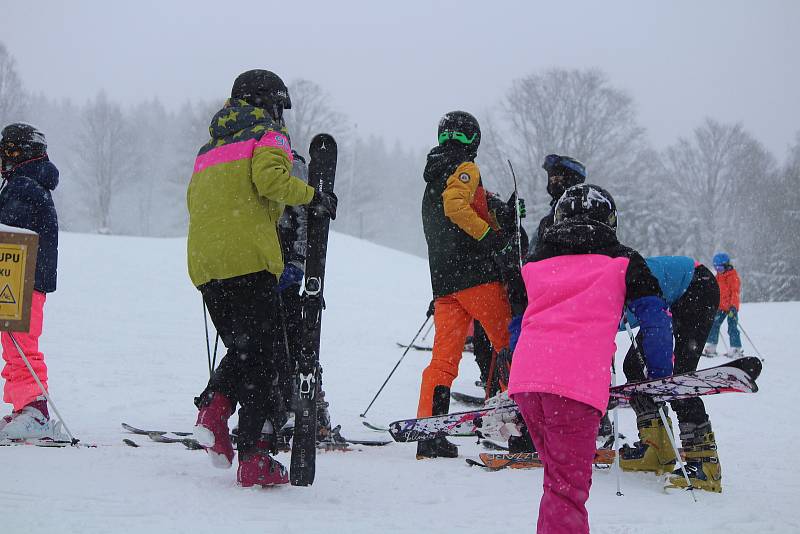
x=241, y=183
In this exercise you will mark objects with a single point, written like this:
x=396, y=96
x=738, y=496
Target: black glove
x=324, y=204
x=493, y=241
x=430, y=309
x=506, y=211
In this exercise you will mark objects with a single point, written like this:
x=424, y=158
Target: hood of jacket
x=444, y=159
x=237, y=116
x=42, y=171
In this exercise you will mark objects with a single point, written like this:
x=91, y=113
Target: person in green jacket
x=241, y=182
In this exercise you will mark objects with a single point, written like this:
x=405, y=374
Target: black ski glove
x=325, y=204
x=431, y=308
x=493, y=241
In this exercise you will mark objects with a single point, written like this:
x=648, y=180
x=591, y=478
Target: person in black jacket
x=562, y=173
x=26, y=202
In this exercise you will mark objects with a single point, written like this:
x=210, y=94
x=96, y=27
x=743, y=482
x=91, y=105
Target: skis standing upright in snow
x=321, y=173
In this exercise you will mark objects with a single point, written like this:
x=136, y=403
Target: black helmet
x=586, y=203
x=572, y=171
x=21, y=142
x=263, y=89
x=460, y=126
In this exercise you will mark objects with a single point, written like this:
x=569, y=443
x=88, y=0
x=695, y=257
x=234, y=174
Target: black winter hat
x=262, y=88
x=460, y=122
x=586, y=203
x=20, y=142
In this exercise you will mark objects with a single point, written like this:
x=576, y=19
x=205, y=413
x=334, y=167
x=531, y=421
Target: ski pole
x=73, y=441
x=516, y=214
x=425, y=335
x=662, y=413
x=208, y=344
x=616, y=465
x=751, y=341
x=427, y=318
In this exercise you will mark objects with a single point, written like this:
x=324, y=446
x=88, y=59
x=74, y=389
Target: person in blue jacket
x=692, y=293
x=26, y=202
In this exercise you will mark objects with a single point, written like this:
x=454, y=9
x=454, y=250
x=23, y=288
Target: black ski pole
x=208, y=343
x=428, y=318
x=750, y=340
x=516, y=214
x=425, y=335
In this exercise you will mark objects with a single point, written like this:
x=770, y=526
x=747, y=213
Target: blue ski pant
x=733, y=327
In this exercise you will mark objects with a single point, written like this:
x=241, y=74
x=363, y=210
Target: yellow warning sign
x=17, y=268
x=12, y=280
x=7, y=296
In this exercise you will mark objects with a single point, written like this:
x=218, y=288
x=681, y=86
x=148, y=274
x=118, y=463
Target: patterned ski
x=738, y=376
x=454, y=424
x=530, y=460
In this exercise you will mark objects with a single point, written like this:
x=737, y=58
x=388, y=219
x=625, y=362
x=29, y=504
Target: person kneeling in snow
x=578, y=281
x=26, y=202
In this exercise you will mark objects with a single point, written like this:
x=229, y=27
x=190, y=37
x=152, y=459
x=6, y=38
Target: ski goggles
x=461, y=137
x=554, y=160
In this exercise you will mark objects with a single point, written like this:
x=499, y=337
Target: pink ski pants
x=564, y=432
x=20, y=387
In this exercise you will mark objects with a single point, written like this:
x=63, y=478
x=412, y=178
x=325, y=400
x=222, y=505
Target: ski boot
x=438, y=447
x=211, y=429
x=523, y=443
x=735, y=352
x=6, y=419
x=701, y=460
x=257, y=466
x=710, y=350
x=31, y=422
x=653, y=452
x=324, y=430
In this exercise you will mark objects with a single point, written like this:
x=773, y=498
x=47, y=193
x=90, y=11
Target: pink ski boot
x=258, y=467
x=211, y=430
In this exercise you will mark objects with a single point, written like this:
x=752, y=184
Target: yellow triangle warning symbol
x=6, y=296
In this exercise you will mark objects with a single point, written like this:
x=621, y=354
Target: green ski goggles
x=458, y=136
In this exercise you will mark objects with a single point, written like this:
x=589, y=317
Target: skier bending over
x=241, y=182
x=729, y=286
x=465, y=281
x=26, y=202
x=578, y=282
x=692, y=294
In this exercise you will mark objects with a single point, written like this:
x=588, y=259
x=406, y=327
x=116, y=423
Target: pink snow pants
x=20, y=387
x=564, y=432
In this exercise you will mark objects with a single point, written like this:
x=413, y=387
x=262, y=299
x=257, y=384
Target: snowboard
x=736, y=376
x=321, y=173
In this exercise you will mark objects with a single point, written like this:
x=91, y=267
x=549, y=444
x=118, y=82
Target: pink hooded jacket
x=567, y=341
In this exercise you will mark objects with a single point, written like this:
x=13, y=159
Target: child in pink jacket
x=578, y=282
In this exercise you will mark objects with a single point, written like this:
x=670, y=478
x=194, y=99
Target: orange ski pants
x=486, y=303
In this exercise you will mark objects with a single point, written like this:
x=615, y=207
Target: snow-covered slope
x=124, y=342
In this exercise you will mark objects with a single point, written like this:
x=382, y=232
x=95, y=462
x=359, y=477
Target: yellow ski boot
x=653, y=452
x=702, y=463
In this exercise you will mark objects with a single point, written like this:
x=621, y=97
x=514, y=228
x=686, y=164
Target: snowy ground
x=124, y=342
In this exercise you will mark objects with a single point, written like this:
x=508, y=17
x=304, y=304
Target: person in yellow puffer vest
x=240, y=185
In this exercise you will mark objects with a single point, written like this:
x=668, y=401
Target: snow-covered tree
x=104, y=154
x=13, y=99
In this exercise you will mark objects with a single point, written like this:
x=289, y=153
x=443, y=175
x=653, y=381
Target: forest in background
x=125, y=169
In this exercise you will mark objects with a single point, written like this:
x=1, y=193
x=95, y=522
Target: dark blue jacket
x=26, y=202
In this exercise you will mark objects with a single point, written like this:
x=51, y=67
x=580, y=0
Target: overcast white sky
x=395, y=67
